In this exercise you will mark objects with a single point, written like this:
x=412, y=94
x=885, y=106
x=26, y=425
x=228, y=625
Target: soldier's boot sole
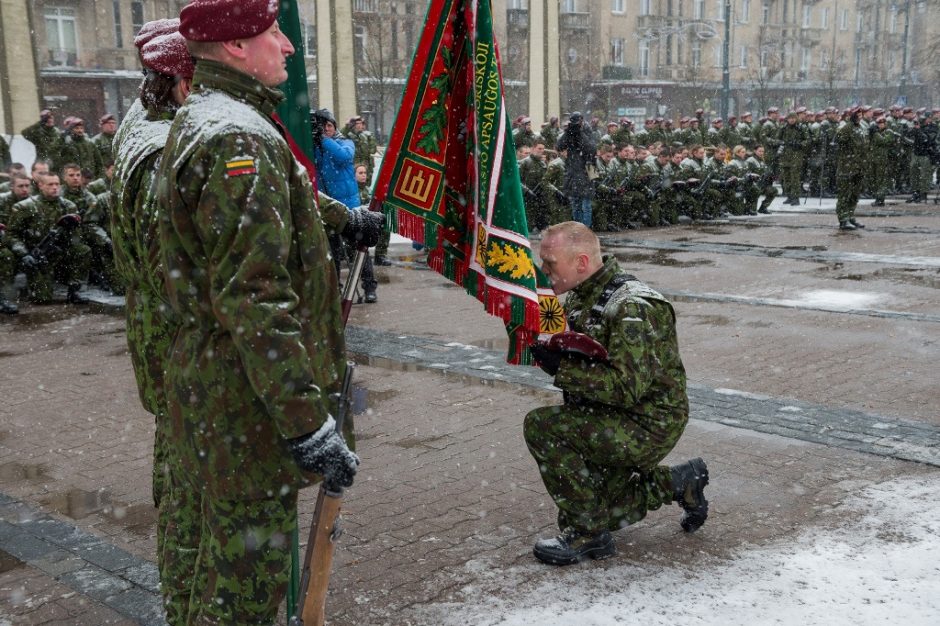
x=552, y=553
x=694, y=505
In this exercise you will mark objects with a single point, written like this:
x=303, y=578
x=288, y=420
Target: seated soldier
x=625, y=404
x=43, y=231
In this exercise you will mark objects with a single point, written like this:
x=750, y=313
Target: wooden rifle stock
x=324, y=531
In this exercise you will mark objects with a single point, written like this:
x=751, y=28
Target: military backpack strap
x=615, y=283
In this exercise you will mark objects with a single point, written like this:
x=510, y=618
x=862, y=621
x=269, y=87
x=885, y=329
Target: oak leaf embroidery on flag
x=510, y=260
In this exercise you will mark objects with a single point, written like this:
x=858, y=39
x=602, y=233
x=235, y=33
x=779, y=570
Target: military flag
x=449, y=178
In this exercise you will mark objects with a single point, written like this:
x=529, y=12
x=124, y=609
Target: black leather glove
x=548, y=360
x=364, y=227
x=325, y=452
x=29, y=263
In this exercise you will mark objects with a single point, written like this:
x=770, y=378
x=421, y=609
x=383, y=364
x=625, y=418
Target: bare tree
x=766, y=69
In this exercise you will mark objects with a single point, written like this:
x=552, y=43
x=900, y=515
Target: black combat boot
x=855, y=224
x=846, y=225
x=688, y=488
x=878, y=202
x=371, y=298
x=572, y=546
x=382, y=260
x=7, y=307
x=74, y=297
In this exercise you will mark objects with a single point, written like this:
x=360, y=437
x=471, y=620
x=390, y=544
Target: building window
x=618, y=6
x=824, y=21
x=616, y=51
x=61, y=35
x=668, y=50
x=806, y=60
x=858, y=23
x=893, y=23
x=310, y=40
x=696, y=53
x=844, y=20
x=118, y=37
x=743, y=50
x=644, y=57
x=359, y=43
x=807, y=16
x=698, y=10
x=763, y=58
x=824, y=60
x=569, y=6
x=521, y=5
x=765, y=13
x=720, y=10
x=365, y=6
x=745, y=14
x=892, y=60
x=717, y=54
x=137, y=16
x=645, y=7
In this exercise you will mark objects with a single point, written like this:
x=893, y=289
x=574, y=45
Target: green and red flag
x=449, y=178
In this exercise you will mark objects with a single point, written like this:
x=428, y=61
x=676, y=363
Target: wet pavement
x=811, y=357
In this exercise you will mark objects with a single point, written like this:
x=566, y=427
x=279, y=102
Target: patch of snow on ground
x=881, y=567
x=841, y=300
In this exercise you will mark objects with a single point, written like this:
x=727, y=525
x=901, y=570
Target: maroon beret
x=224, y=20
x=577, y=343
x=168, y=55
x=154, y=29
x=107, y=117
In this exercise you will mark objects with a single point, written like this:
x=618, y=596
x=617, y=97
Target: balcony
x=575, y=21
x=62, y=58
x=366, y=6
x=655, y=21
x=811, y=36
x=517, y=19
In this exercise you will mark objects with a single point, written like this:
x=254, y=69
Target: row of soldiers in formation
x=899, y=151
x=67, y=192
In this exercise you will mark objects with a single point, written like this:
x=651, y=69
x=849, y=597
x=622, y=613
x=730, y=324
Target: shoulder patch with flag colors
x=240, y=166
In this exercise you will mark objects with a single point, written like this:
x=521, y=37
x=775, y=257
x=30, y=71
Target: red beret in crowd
x=168, y=55
x=154, y=29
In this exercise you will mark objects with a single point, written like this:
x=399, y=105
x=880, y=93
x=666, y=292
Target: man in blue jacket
x=334, y=159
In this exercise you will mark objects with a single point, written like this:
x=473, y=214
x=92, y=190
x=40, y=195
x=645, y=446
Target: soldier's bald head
x=574, y=238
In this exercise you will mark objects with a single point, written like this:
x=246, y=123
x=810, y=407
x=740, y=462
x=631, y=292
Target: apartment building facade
x=634, y=58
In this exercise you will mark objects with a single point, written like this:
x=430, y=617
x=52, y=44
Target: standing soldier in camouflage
x=531, y=173
x=168, y=72
x=364, y=143
x=260, y=346
x=851, y=143
x=625, y=404
x=524, y=135
x=104, y=141
x=555, y=200
x=792, y=138
x=44, y=136
x=550, y=131
x=881, y=146
x=77, y=148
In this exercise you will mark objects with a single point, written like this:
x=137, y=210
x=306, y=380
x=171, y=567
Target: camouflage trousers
x=68, y=266
x=224, y=561
x=921, y=174
x=7, y=265
x=601, y=467
x=847, y=193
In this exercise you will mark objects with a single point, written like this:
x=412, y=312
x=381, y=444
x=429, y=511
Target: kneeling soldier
x=625, y=404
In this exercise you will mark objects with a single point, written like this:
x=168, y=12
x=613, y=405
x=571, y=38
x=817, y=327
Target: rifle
x=703, y=185
x=652, y=192
x=906, y=140
x=51, y=242
x=324, y=531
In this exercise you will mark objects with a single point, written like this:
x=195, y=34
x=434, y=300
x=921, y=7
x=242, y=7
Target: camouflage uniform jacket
x=365, y=147
x=150, y=327
x=82, y=152
x=644, y=374
x=99, y=186
x=33, y=218
x=104, y=144
x=851, y=149
x=4, y=154
x=260, y=345
x=46, y=139
x=84, y=201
